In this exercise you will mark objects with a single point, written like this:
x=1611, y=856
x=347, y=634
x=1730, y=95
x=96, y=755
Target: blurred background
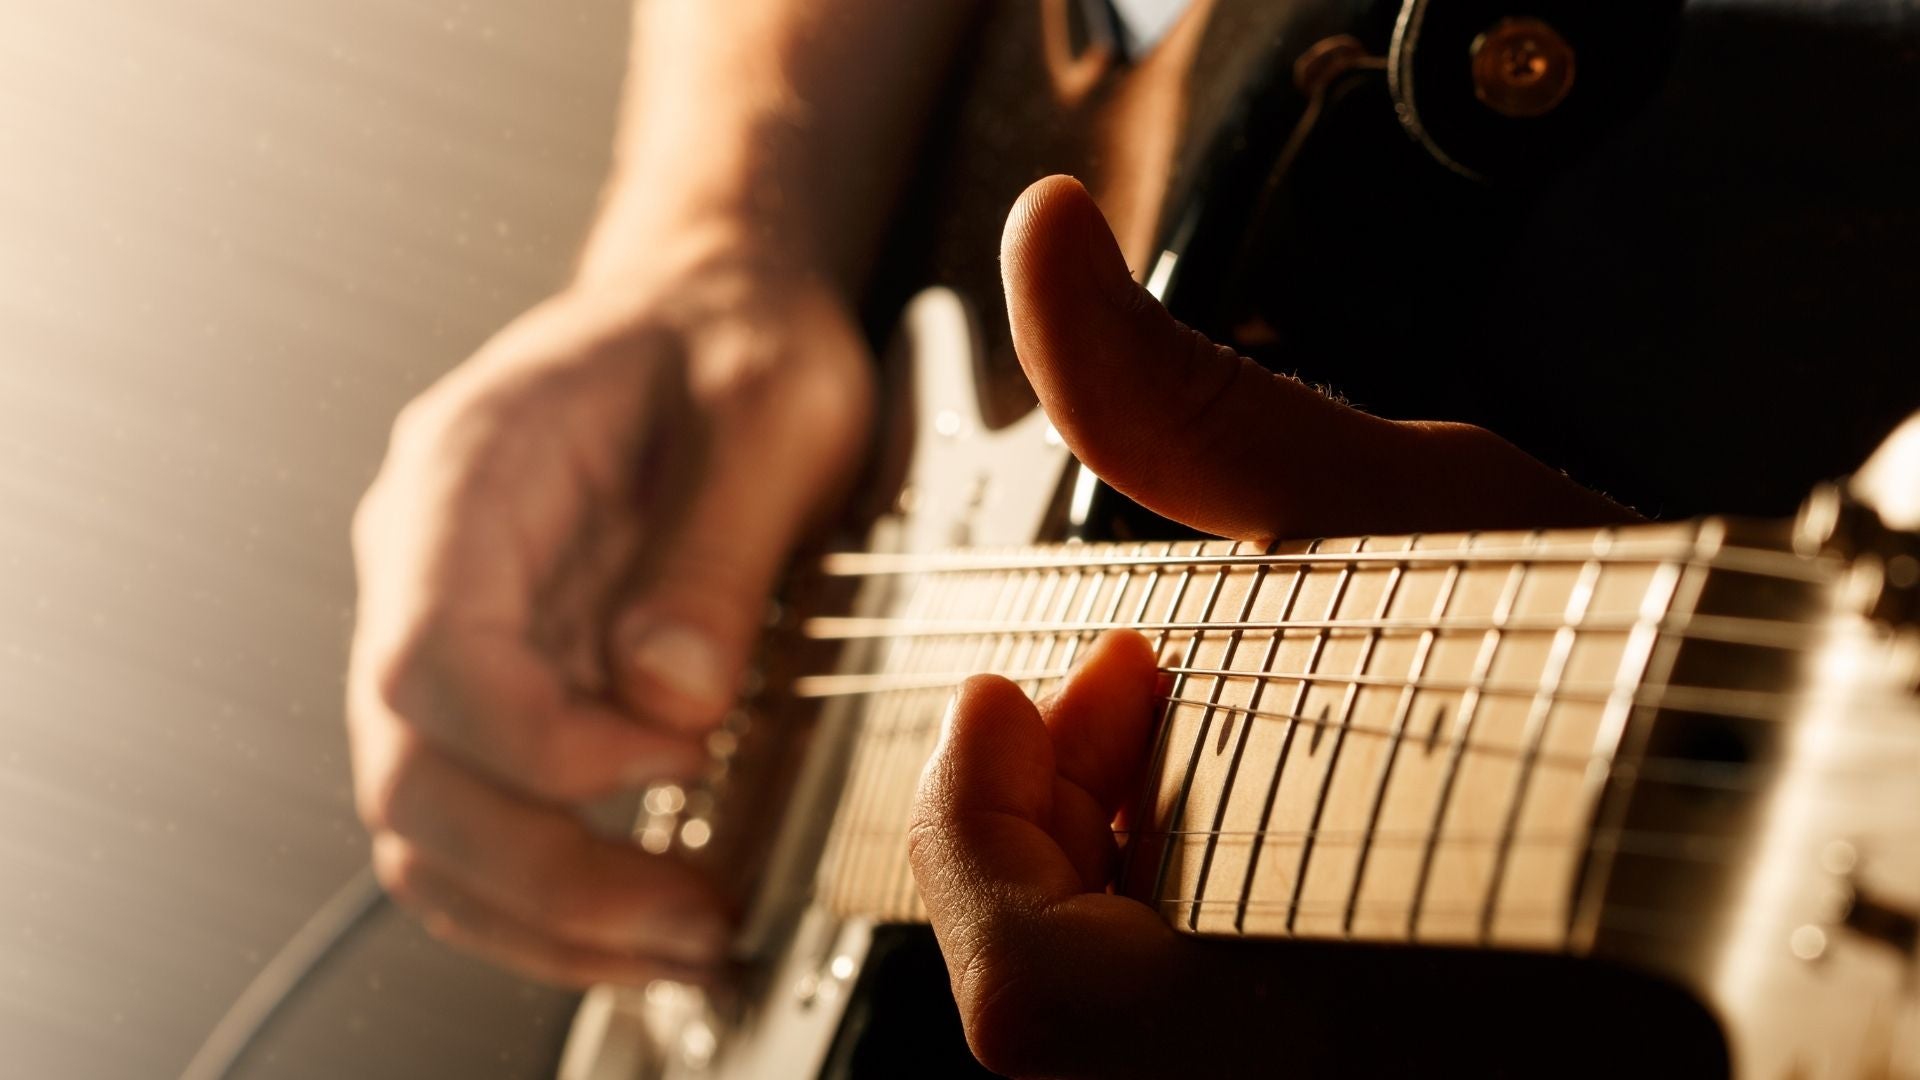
x=238, y=235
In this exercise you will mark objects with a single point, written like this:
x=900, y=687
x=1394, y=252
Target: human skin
x=1011, y=840
x=565, y=557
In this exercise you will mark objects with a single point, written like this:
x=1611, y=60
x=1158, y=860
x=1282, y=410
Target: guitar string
x=1642, y=842
x=1771, y=633
x=1665, y=771
x=1780, y=634
x=1761, y=706
x=1638, y=843
x=1649, y=843
x=1763, y=562
x=1349, y=699
x=1182, y=800
x=1164, y=730
x=1748, y=917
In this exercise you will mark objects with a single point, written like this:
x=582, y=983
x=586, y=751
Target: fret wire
x=1610, y=807
x=1164, y=735
x=1051, y=640
x=1568, y=761
x=848, y=829
x=1684, y=772
x=896, y=721
x=1728, y=629
x=1120, y=584
x=1146, y=600
x=1286, y=742
x=1152, y=585
x=883, y=726
x=1463, y=731
x=908, y=752
x=1079, y=636
x=986, y=657
x=982, y=660
x=1763, y=562
x=1120, y=595
x=863, y=775
x=907, y=732
x=1206, y=719
x=1395, y=574
x=1535, y=731
x=1403, y=709
x=1023, y=648
x=1260, y=578
x=1637, y=656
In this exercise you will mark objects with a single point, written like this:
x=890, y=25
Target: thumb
x=1196, y=433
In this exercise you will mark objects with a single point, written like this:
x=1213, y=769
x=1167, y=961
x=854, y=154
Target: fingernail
x=684, y=662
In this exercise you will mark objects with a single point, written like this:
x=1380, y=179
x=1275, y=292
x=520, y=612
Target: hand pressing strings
x=1011, y=840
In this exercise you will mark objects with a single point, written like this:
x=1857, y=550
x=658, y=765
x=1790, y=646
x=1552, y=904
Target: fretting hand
x=1011, y=839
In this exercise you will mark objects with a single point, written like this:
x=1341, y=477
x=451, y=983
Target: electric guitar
x=1691, y=749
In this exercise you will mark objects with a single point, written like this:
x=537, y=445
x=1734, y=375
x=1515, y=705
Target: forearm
x=776, y=126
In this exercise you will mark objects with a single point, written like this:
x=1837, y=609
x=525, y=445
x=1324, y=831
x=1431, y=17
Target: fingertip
x=1128, y=651
x=674, y=673
x=1040, y=205
x=994, y=752
x=1120, y=666
x=1056, y=241
x=983, y=715
x=983, y=698
x=1100, y=723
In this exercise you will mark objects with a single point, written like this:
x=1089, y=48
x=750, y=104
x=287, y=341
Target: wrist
x=690, y=246
x=741, y=184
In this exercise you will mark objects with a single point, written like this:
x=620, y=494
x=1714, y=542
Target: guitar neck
x=1420, y=738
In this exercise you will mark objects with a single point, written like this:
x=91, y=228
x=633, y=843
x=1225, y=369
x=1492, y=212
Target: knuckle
x=1002, y=1025
x=385, y=786
x=1218, y=373
x=401, y=673
x=401, y=871
x=416, y=417
x=364, y=530
x=1462, y=437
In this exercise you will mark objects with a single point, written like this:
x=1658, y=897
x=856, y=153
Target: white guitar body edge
x=967, y=485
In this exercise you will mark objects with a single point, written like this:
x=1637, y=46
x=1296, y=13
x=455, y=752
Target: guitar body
x=1783, y=945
